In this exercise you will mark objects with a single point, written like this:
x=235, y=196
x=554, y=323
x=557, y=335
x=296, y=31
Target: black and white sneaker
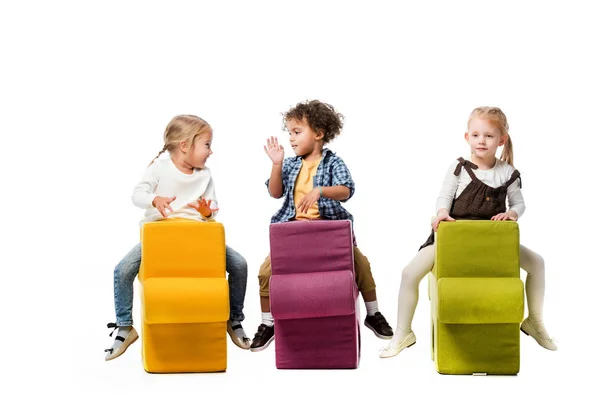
x=379, y=326
x=263, y=338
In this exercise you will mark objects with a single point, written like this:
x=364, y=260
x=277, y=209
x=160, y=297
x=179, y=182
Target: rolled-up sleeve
x=341, y=176
x=285, y=170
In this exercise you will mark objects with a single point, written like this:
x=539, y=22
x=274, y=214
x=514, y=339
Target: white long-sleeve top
x=497, y=176
x=162, y=178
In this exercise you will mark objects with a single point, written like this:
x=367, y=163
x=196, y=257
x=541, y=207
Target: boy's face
x=302, y=138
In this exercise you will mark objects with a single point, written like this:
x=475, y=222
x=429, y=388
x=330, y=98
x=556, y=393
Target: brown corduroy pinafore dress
x=478, y=200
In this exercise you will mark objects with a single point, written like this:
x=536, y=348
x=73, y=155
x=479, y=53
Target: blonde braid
x=159, y=153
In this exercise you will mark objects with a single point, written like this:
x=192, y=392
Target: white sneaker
x=393, y=350
x=546, y=342
x=115, y=352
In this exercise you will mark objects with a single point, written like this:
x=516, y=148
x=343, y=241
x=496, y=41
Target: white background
x=86, y=91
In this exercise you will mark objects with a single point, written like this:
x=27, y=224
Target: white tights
x=416, y=270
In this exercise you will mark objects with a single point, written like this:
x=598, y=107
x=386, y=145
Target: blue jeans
x=128, y=268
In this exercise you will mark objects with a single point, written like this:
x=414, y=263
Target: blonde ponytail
x=507, y=151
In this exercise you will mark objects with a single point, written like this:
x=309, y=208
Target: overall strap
x=515, y=175
x=468, y=166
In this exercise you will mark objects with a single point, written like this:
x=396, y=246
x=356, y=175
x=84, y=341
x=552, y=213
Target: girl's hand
x=274, y=150
x=503, y=217
x=162, y=204
x=308, y=200
x=442, y=216
x=203, y=207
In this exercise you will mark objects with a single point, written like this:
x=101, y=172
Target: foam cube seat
x=477, y=298
x=184, y=296
x=313, y=295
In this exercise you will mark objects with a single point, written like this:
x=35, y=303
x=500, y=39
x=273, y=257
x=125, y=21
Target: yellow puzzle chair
x=184, y=295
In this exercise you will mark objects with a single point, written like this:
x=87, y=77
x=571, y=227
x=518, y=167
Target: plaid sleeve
x=285, y=171
x=341, y=176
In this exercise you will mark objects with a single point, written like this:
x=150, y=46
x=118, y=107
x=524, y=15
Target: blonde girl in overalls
x=476, y=189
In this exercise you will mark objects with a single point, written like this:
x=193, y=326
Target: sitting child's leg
x=408, y=297
x=237, y=270
x=266, y=330
x=535, y=285
x=375, y=321
x=125, y=273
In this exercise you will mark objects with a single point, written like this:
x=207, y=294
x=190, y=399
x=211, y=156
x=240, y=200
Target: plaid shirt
x=331, y=172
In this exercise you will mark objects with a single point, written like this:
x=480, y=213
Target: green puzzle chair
x=477, y=298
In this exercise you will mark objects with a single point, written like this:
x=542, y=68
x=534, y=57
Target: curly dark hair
x=319, y=116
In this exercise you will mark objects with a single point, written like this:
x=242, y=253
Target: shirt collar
x=326, y=151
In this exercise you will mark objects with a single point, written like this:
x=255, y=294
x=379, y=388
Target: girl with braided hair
x=179, y=186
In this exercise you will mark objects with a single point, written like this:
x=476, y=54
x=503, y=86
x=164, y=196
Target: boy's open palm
x=274, y=150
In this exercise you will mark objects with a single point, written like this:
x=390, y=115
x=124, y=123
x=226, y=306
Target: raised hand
x=274, y=150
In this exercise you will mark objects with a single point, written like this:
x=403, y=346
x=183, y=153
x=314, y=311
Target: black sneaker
x=263, y=338
x=379, y=326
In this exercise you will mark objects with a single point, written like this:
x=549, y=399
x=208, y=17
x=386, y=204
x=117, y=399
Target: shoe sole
x=235, y=339
x=257, y=349
x=128, y=342
x=380, y=336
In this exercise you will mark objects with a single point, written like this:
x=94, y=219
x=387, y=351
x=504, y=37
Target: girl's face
x=484, y=138
x=200, y=150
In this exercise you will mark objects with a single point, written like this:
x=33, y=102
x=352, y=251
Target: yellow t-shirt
x=304, y=184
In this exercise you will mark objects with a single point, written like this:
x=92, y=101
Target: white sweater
x=497, y=176
x=162, y=178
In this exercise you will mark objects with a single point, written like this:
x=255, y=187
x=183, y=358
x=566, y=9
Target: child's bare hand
x=442, y=216
x=308, y=200
x=203, y=207
x=162, y=204
x=503, y=217
x=274, y=150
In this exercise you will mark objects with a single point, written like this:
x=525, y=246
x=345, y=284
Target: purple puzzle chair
x=314, y=295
